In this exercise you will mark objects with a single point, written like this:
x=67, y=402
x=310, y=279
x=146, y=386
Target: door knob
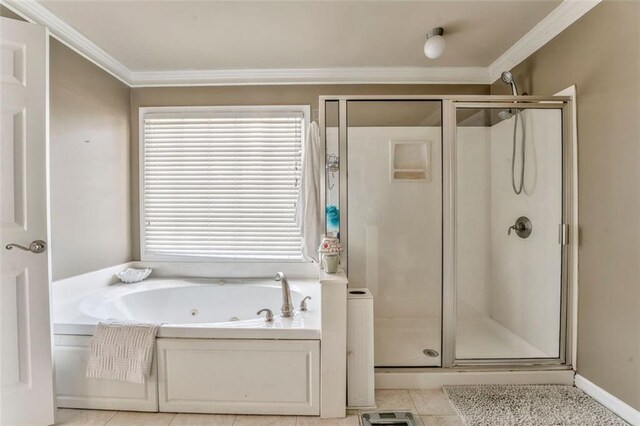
x=37, y=246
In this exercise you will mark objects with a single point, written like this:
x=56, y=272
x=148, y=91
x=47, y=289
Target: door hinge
x=563, y=234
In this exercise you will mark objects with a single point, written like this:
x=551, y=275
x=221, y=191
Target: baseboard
x=621, y=408
x=434, y=379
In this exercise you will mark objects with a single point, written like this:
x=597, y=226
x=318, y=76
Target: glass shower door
x=394, y=201
x=508, y=185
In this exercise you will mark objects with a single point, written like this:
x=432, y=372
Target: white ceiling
x=218, y=35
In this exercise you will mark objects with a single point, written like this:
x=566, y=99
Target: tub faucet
x=287, y=306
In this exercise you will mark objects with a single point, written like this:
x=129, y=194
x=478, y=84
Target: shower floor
x=479, y=336
x=400, y=342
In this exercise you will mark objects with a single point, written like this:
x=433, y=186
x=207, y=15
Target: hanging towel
x=308, y=211
x=122, y=351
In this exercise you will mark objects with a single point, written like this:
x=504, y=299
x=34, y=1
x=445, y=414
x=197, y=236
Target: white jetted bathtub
x=214, y=354
x=196, y=308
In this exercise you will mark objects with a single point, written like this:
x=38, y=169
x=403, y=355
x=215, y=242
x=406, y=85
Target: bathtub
x=195, y=308
x=213, y=353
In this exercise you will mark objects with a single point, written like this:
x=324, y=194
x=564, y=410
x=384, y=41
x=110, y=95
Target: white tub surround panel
x=333, y=359
x=75, y=390
x=239, y=376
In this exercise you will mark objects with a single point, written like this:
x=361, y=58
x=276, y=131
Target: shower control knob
x=522, y=227
x=268, y=317
x=303, y=304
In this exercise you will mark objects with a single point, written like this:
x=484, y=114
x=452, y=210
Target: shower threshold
x=435, y=378
x=415, y=342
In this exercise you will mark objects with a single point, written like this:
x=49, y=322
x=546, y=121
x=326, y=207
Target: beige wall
x=600, y=54
x=89, y=137
x=90, y=209
x=256, y=95
x=8, y=13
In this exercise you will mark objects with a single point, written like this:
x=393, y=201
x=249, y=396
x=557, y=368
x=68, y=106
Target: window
x=221, y=182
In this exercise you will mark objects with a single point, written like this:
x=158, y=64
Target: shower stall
x=455, y=213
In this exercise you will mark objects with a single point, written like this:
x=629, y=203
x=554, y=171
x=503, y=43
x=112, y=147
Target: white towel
x=308, y=211
x=122, y=351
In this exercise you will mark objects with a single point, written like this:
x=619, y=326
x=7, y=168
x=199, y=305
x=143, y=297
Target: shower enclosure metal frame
x=450, y=104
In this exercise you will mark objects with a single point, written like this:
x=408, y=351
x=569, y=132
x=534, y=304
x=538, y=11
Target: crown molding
x=560, y=18
x=342, y=75
x=34, y=12
x=568, y=12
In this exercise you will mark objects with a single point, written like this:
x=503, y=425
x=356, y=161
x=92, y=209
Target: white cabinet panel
x=239, y=376
x=360, y=366
x=75, y=390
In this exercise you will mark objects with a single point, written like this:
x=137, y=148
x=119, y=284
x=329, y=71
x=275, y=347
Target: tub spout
x=287, y=306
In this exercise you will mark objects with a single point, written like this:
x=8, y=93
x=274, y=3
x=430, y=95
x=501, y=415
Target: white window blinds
x=221, y=184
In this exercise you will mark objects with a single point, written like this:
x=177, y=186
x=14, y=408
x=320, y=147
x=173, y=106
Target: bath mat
x=528, y=405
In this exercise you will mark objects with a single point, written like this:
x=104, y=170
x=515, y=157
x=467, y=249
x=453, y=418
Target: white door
x=26, y=368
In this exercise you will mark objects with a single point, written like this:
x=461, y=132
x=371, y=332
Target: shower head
x=507, y=78
x=505, y=114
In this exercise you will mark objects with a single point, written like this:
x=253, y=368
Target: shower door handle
x=512, y=227
x=522, y=227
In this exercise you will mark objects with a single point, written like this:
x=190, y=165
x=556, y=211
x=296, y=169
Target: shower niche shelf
x=409, y=161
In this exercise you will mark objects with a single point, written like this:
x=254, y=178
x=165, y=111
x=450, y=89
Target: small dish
x=131, y=275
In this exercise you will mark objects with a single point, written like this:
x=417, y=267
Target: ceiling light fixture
x=435, y=44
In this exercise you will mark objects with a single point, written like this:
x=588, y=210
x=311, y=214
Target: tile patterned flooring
x=430, y=406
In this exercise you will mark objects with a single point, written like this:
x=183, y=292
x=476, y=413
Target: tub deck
x=77, y=314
